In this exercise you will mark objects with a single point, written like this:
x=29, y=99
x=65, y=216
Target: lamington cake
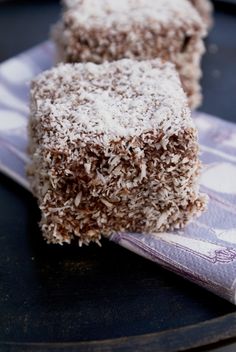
x=108, y=30
x=113, y=148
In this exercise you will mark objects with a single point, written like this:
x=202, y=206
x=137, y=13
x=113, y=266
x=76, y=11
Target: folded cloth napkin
x=205, y=251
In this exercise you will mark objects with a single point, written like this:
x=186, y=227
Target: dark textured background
x=52, y=293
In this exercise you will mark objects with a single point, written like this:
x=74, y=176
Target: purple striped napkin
x=205, y=251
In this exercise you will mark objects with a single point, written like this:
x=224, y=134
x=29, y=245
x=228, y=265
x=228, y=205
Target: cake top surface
x=109, y=101
x=108, y=13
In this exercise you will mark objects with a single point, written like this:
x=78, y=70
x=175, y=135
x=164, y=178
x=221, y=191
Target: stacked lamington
x=107, y=30
x=113, y=148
